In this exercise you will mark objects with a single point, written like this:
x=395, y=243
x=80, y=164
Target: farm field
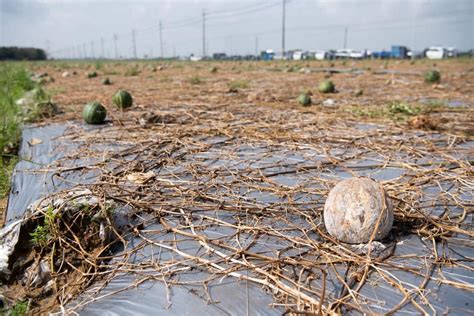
x=277, y=85
x=218, y=169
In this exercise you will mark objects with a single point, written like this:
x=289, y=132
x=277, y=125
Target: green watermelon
x=122, y=99
x=432, y=76
x=327, y=86
x=304, y=99
x=106, y=81
x=94, y=113
x=91, y=74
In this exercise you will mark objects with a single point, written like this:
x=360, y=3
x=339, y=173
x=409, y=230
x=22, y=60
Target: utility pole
x=102, y=48
x=92, y=50
x=85, y=50
x=203, y=33
x=134, y=45
x=79, y=51
x=161, y=40
x=283, y=30
x=115, y=43
x=345, y=37
x=256, y=45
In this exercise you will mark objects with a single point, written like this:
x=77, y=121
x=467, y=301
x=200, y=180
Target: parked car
x=195, y=58
x=342, y=53
x=357, y=54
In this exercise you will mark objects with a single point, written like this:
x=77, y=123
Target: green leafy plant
x=40, y=236
x=42, y=233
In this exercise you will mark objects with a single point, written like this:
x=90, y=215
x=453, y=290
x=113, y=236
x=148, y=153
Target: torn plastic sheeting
x=74, y=201
x=8, y=239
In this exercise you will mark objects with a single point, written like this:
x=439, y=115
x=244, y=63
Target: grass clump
x=399, y=107
x=6, y=168
x=238, y=84
x=196, y=80
x=132, y=71
x=14, y=82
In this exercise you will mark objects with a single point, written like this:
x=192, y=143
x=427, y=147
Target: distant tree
x=22, y=53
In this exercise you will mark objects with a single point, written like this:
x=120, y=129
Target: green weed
x=19, y=309
x=42, y=233
x=238, y=84
x=399, y=107
x=132, y=71
x=196, y=80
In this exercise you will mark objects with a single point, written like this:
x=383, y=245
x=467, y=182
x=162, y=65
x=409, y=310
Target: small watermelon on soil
x=327, y=86
x=106, y=81
x=94, y=113
x=92, y=74
x=432, y=76
x=122, y=99
x=304, y=99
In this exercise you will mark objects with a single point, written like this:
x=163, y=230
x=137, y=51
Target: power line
x=134, y=45
x=92, y=50
x=115, y=44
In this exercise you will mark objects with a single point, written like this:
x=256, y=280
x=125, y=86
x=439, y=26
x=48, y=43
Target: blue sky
x=73, y=27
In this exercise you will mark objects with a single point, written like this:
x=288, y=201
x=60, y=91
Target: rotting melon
x=304, y=99
x=94, y=113
x=326, y=86
x=432, y=76
x=122, y=99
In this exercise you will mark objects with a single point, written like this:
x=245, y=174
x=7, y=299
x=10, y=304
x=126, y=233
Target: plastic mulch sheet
x=204, y=258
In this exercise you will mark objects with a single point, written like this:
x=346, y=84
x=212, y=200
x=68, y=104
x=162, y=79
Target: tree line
x=22, y=53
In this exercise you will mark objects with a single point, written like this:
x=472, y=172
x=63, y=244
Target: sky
x=86, y=28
